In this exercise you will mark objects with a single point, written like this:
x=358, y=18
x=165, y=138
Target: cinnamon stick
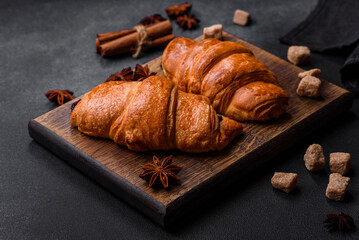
x=128, y=42
x=109, y=36
x=162, y=41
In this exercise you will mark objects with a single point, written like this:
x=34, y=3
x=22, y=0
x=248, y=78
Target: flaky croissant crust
x=153, y=115
x=237, y=84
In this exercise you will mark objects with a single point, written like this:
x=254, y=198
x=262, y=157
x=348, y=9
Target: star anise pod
x=187, y=21
x=126, y=74
x=73, y=105
x=160, y=172
x=59, y=96
x=142, y=73
x=340, y=221
x=152, y=19
x=178, y=10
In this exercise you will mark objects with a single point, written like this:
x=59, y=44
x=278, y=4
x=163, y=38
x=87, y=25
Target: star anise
x=187, y=21
x=340, y=221
x=73, y=105
x=152, y=19
x=59, y=96
x=142, y=73
x=178, y=10
x=126, y=74
x=160, y=172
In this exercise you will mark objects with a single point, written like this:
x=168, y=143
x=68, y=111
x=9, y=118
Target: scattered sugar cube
x=339, y=162
x=314, y=158
x=309, y=87
x=284, y=181
x=337, y=187
x=241, y=17
x=298, y=54
x=313, y=72
x=214, y=31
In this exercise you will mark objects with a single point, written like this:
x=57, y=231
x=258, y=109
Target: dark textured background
x=50, y=45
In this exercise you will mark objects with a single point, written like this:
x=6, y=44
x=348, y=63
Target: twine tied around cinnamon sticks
x=143, y=41
x=135, y=40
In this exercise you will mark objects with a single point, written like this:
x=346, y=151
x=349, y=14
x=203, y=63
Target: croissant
x=238, y=85
x=153, y=115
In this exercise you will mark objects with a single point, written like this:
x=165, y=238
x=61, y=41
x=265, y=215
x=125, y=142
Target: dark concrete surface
x=50, y=45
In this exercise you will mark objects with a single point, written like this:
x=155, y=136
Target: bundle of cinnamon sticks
x=125, y=41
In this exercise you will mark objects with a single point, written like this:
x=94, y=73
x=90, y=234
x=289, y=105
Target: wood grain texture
x=117, y=168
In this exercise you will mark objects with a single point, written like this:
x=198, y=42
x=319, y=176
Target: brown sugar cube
x=314, y=158
x=309, y=87
x=284, y=181
x=339, y=162
x=337, y=187
x=298, y=54
x=241, y=17
x=214, y=31
x=313, y=72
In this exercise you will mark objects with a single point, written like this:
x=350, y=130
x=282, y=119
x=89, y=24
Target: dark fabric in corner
x=332, y=25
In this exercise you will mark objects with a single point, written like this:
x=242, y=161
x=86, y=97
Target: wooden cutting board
x=117, y=168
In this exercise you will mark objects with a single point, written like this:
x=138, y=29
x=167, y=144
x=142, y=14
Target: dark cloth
x=332, y=25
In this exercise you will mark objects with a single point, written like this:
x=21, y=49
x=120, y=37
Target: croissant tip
x=229, y=129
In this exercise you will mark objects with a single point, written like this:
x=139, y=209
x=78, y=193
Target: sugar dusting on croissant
x=153, y=115
x=238, y=85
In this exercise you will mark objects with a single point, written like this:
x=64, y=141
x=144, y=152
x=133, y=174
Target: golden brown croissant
x=238, y=85
x=153, y=115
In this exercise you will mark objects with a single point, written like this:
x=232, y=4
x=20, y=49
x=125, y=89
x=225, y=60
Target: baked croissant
x=238, y=85
x=153, y=115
